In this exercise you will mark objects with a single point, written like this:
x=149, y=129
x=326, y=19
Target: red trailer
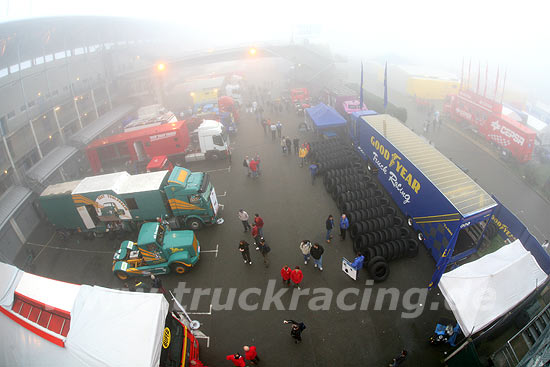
x=485, y=116
x=138, y=146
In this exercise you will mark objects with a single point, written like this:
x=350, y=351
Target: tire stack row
x=386, y=252
x=377, y=229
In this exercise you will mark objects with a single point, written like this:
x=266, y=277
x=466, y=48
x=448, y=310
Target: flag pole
x=503, y=85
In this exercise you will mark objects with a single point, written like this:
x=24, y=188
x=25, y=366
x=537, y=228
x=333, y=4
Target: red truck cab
x=160, y=163
x=179, y=345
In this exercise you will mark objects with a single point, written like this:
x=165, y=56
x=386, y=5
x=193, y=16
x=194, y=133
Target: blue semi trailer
x=439, y=200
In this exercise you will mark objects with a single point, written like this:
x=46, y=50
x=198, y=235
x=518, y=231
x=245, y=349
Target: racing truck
x=158, y=250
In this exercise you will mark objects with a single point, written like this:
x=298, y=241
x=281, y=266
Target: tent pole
x=468, y=341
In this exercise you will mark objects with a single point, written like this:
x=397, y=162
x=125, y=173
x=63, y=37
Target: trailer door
x=140, y=150
x=86, y=218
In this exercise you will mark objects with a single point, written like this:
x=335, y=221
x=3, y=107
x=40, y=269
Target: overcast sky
x=515, y=34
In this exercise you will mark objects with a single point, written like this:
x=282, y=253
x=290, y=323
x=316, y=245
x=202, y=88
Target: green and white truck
x=121, y=202
x=158, y=250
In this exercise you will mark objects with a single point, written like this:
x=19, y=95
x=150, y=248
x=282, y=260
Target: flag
x=478, y=75
x=385, y=86
x=462, y=75
x=496, y=84
x=503, y=84
x=486, y=77
x=361, y=89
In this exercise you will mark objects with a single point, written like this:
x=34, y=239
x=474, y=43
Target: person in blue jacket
x=344, y=225
x=313, y=169
x=358, y=262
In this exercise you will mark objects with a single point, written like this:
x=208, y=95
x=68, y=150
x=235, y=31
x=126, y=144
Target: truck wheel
x=193, y=224
x=177, y=268
x=122, y=275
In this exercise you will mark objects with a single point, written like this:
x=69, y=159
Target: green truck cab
x=158, y=250
x=120, y=202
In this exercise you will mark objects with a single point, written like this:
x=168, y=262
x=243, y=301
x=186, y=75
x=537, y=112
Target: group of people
x=252, y=166
x=287, y=143
x=257, y=232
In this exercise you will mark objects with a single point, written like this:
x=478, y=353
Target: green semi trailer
x=120, y=202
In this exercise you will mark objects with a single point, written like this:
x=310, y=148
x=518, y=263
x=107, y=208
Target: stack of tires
x=378, y=231
x=331, y=154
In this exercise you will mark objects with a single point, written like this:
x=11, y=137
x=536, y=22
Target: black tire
x=379, y=271
x=412, y=248
x=177, y=268
x=193, y=224
x=122, y=275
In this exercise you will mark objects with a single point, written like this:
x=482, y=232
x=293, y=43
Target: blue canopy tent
x=324, y=117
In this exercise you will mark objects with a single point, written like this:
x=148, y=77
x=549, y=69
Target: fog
x=439, y=34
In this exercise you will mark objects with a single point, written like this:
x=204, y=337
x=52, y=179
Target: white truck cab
x=210, y=142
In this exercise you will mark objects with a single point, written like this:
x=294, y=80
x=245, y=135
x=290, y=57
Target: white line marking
x=228, y=169
x=222, y=195
x=68, y=249
x=46, y=245
x=215, y=251
x=202, y=313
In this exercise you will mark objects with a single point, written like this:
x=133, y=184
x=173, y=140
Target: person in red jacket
x=285, y=274
x=251, y=355
x=253, y=165
x=256, y=235
x=237, y=359
x=260, y=223
x=296, y=276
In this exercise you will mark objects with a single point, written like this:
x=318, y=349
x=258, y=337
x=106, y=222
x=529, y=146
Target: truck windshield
x=205, y=182
x=218, y=140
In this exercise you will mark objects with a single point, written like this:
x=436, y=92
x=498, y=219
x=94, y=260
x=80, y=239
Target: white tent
x=482, y=291
x=108, y=328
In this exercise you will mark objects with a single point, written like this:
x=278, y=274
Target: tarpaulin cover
x=482, y=291
x=324, y=116
x=108, y=328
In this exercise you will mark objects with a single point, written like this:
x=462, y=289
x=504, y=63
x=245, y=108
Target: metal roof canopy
x=10, y=201
x=461, y=191
x=42, y=169
x=89, y=132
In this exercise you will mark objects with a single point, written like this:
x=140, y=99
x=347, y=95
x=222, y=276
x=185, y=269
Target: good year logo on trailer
x=394, y=160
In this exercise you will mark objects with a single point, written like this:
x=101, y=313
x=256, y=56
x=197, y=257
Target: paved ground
x=293, y=210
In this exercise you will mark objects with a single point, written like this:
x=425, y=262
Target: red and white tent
x=44, y=322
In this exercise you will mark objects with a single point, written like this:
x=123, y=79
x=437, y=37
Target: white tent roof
x=482, y=291
x=108, y=328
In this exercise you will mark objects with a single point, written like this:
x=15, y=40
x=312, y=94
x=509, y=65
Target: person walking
x=296, y=143
x=253, y=165
x=358, y=262
x=257, y=159
x=285, y=274
x=237, y=359
x=250, y=354
x=260, y=223
x=265, y=125
x=302, y=155
x=344, y=225
x=246, y=165
x=317, y=255
x=279, y=129
x=264, y=250
x=243, y=217
x=399, y=359
x=157, y=283
x=256, y=235
x=305, y=247
x=313, y=169
x=283, y=145
x=329, y=224
x=296, y=330
x=273, y=129
x=296, y=276
x=245, y=252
